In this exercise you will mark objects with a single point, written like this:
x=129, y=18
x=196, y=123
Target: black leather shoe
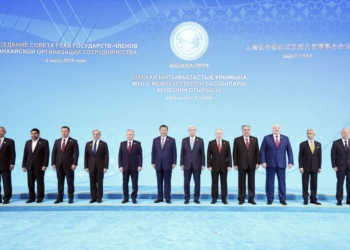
x=99, y=201
x=269, y=202
x=240, y=201
x=39, y=200
x=6, y=202
x=315, y=202
x=197, y=202
x=30, y=200
x=125, y=201
x=224, y=202
x=157, y=201
x=168, y=201
x=92, y=201
x=305, y=202
x=186, y=202
x=58, y=201
x=70, y=201
x=348, y=202
x=213, y=201
x=284, y=203
x=134, y=201
x=339, y=203
x=252, y=202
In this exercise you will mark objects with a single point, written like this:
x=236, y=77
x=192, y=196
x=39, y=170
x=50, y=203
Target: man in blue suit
x=164, y=161
x=192, y=161
x=273, y=151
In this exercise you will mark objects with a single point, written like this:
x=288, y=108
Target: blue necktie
x=95, y=147
x=191, y=143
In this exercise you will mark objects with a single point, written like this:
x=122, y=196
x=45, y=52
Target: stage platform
x=112, y=202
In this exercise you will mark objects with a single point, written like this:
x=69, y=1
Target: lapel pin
x=90, y=144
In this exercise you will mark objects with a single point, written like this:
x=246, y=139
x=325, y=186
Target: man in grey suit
x=192, y=162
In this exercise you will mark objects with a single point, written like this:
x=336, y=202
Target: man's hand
x=182, y=167
x=257, y=166
x=229, y=168
x=236, y=167
x=139, y=169
x=73, y=167
x=104, y=170
x=263, y=165
x=210, y=168
x=319, y=170
x=173, y=166
x=154, y=165
x=203, y=167
x=335, y=169
x=12, y=167
x=301, y=170
x=24, y=169
x=121, y=169
x=54, y=167
x=290, y=166
x=43, y=168
x=87, y=169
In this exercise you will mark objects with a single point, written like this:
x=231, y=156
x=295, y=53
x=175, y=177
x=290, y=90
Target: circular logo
x=189, y=41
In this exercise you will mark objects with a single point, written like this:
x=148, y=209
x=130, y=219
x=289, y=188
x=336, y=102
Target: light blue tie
x=191, y=143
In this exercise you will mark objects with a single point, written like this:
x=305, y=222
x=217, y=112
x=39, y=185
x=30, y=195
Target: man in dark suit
x=219, y=162
x=65, y=154
x=310, y=160
x=130, y=164
x=192, y=161
x=96, y=159
x=273, y=157
x=35, y=161
x=340, y=156
x=7, y=164
x=246, y=160
x=163, y=160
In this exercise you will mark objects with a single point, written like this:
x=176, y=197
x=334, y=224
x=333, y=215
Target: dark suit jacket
x=130, y=161
x=37, y=159
x=244, y=158
x=273, y=156
x=340, y=158
x=195, y=156
x=219, y=161
x=67, y=158
x=308, y=161
x=100, y=159
x=7, y=154
x=164, y=157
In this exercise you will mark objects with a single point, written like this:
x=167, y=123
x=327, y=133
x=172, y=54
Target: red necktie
x=63, y=145
x=277, y=142
x=247, y=143
x=129, y=147
x=219, y=146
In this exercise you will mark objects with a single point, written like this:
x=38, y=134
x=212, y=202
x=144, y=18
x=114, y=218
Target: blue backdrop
x=107, y=64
